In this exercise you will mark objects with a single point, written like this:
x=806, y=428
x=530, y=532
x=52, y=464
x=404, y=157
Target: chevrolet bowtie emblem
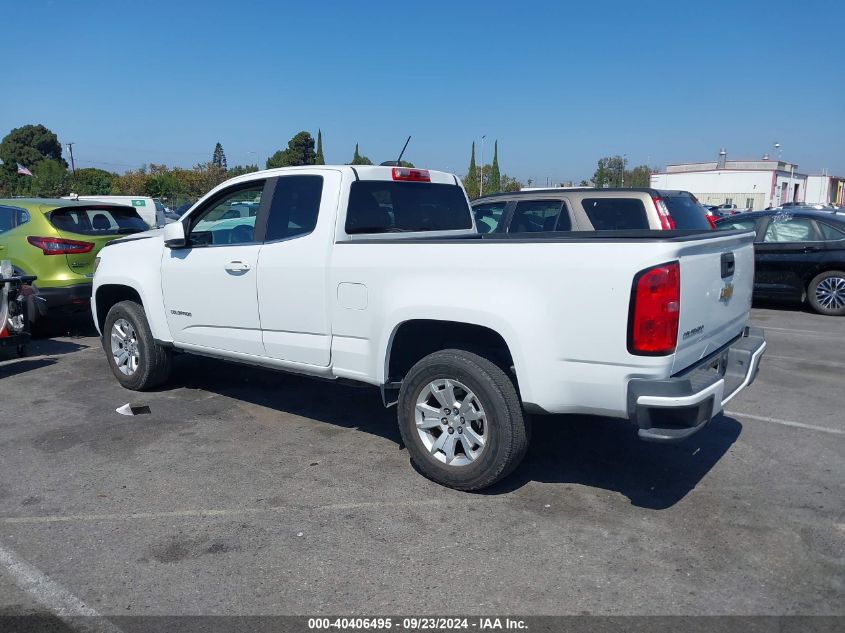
x=727, y=293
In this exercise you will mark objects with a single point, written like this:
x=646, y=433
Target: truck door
x=210, y=288
x=293, y=265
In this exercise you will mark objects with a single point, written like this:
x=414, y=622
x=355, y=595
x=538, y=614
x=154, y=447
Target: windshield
x=383, y=206
x=98, y=220
x=687, y=212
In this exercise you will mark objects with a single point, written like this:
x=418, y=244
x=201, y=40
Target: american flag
x=23, y=171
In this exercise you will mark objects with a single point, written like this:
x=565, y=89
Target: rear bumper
x=69, y=296
x=14, y=341
x=672, y=410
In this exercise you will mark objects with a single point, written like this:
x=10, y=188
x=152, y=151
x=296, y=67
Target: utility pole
x=70, y=151
x=481, y=178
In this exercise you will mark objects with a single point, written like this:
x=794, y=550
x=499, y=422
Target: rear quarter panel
x=562, y=308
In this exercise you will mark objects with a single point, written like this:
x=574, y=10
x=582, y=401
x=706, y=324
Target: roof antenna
x=398, y=161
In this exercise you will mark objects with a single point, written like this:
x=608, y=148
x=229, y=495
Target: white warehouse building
x=749, y=184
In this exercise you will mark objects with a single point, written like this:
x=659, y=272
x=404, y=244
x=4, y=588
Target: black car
x=799, y=255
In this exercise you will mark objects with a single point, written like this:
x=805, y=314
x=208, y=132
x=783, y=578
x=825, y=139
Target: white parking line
x=787, y=330
x=800, y=425
x=216, y=512
x=810, y=361
x=73, y=611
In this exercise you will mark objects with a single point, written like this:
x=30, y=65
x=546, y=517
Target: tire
x=490, y=410
x=146, y=364
x=826, y=293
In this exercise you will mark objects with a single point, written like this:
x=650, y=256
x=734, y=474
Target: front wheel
x=826, y=293
x=136, y=360
x=461, y=419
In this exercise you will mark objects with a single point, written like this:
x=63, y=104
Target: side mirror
x=174, y=235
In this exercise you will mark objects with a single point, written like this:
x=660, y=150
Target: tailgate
x=717, y=279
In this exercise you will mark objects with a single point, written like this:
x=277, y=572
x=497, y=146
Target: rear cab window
x=384, y=206
x=686, y=212
x=615, y=214
x=98, y=220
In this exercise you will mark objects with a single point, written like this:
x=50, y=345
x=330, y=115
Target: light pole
x=622, y=169
x=481, y=178
x=257, y=157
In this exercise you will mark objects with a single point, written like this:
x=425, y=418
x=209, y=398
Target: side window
x=488, y=215
x=11, y=218
x=8, y=217
x=221, y=223
x=537, y=216
x=830, y=233
x=296, y=203
x=615, y=214
x=736, y=225
x=789, y=229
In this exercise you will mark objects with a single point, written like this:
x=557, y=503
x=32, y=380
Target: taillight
x=710, y=220
x=655, y=307
x=411, y=175
x=666, y=221
x=58, y=246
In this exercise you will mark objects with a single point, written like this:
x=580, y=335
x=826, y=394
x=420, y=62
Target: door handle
x=237, y=267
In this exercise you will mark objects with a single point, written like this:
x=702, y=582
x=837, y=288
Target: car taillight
x=58, y=246
x=655, y=307
x=666, y=221
x=711, y=220
x=411, y=175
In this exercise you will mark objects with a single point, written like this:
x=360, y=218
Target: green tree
x=510, y=184
x=583, y=183
x=218, y=159
x=471, y=178
x=26, y=145
x=320, y=159
x=495, y=183
x=639, y=176
x=358, y=159
x=49, y=180
x=300, y=151
x=89, y=181
x=609, y=171
x=240, y=170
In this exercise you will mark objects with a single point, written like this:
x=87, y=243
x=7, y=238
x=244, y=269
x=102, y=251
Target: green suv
x=58, y=240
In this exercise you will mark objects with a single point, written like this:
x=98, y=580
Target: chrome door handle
x=237, y=267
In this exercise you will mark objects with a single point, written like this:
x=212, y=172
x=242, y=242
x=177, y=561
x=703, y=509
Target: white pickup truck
x=377, y=275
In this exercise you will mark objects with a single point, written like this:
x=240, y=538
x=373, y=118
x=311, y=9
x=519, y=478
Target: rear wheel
x=461, y=419
x=826, y=293
x=136, y=360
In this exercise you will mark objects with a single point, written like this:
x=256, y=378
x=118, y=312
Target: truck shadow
x=606, y=453
x=591, y=451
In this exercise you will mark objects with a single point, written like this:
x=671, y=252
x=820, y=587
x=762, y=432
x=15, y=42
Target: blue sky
x=558, y=84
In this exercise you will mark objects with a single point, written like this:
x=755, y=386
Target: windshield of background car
x=615, y=214
x=98, y=220
x=383, y=206
x=687, y=213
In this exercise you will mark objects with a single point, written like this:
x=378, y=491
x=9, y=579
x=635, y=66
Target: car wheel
x=826, y=293
x=461, y=419
x=136, y=360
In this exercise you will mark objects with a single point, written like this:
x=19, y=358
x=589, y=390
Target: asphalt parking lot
x=251, y=492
